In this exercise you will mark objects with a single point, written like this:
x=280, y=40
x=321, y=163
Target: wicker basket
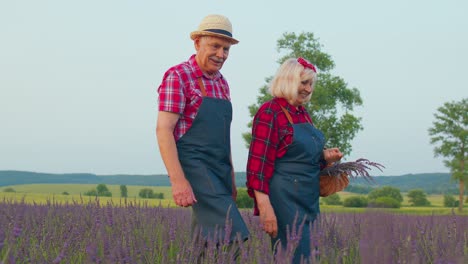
x=333, y=184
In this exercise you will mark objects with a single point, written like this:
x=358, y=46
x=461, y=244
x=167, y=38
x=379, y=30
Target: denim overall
x=204, y=153
x=294, y=187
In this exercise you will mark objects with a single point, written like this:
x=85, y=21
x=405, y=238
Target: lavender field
x=130, y=232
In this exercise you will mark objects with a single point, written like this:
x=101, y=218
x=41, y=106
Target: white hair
x=288, y=78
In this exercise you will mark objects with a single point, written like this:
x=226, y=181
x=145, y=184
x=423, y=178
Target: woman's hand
x=267, y=214
x=332, y=155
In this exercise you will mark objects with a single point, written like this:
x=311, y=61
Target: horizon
x=165, y=174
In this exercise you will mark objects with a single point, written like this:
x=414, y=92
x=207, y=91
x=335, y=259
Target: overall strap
x=202, y=87
x=288, y=116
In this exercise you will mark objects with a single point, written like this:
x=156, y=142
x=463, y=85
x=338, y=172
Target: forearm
x=169, y=155
x=263, y=200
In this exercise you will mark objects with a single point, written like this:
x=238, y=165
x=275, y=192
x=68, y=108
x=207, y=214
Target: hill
x=431, y=183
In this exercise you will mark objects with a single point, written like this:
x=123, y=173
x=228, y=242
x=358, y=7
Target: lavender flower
x=353, y=169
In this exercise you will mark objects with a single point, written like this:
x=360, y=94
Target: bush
x=355, y=201
x=333, y=199
x=105, y=194
x=102, y=190
x=418, y=197
x=65, y=193
x=9, y=189
x=449, y=201
x=386, y=191
x=243, y=200
x=92, y=192
x=385, y=202
x=149, y=194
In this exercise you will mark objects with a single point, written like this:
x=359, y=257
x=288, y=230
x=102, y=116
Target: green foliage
x=357, y=188
x=449, y=201
x=333, y=199
x=92, y=192
x=100, y=190
x=355, y=201
x=65, y=193
x=332, y=101
x=243, y=200
x=386, y=191
x=385, y=202
x=123, y=191
x=418, y=197
x=150, y=194
x=9, y=189
x=450, y=135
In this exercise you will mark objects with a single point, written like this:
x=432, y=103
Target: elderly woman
x=285, y=157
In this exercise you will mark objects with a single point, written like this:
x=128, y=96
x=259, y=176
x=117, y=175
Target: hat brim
x=198, y=33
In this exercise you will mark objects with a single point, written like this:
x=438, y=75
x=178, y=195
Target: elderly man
x=193, y=131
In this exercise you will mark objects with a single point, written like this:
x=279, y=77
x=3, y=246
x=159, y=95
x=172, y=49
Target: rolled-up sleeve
x=262, y=151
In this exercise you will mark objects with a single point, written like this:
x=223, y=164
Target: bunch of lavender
x=354, y=169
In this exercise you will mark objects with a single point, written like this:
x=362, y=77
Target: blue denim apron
x=294, y=187
x=204, y=153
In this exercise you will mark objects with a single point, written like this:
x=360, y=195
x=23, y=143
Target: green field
x=43, y=193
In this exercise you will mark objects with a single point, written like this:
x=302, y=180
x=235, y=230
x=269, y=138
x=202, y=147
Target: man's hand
x=182, y=193
x=234, y=193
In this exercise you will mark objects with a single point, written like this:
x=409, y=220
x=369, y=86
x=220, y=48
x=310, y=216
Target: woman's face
x=304, y=92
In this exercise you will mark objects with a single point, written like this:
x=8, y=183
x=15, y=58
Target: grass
x=42, y=193
x=132, y=190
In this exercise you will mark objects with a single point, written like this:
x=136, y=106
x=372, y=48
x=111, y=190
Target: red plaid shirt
x=180, y=93
x=271, y=136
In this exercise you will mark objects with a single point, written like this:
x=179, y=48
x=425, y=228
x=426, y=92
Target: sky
x=79, y=79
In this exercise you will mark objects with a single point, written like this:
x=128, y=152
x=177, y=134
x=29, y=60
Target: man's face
x=212, y=52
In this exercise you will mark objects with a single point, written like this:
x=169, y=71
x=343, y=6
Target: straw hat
x=215, y=25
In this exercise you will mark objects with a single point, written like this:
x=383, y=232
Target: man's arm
x=181, y=190
x=233, y=178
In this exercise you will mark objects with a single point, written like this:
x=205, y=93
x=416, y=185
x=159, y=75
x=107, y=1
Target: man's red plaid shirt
x=179, y=92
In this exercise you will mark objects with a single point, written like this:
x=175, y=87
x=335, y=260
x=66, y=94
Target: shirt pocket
x=285, y=136
x=193, y=95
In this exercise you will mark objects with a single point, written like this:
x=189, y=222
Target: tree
x=417, y=197
x=333, y=199
x=449, y=201
x=450, y=135
x=146, y=193
x=386, y=191
x=91, y=192
x=123, y=191
x=385, y=202
x=149, y=193
x=102, y=190
x=355, y=201
x=332, y=100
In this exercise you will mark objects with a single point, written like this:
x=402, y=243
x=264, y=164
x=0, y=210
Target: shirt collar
x=284, y=103
x=198, y=72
